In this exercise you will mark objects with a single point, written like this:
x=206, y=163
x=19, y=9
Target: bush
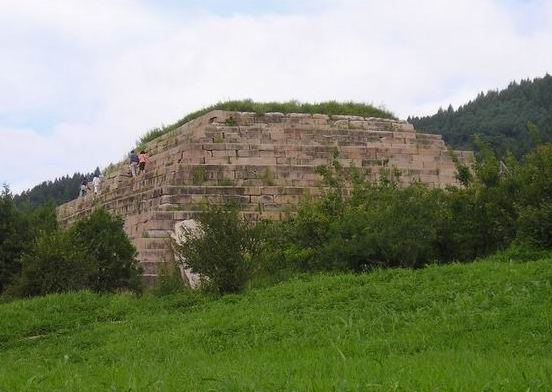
x=535, y=176
x=534, y=226
x=53, y=265
x=377, y=225
x=222, y=252
x=277, y=259
x=101, y=235
x=93, y=254
x=483, y=211
x=388, y=227
x=169, y=281
x=358, y=224
x=482, y=221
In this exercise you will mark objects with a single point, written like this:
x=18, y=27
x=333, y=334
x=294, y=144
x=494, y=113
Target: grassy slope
x=483, y=326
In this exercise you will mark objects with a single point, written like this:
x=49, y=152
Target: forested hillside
x=500, y=117
x=59, y=191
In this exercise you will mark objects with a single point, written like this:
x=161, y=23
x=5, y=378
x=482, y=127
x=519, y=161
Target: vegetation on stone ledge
x=247, y=105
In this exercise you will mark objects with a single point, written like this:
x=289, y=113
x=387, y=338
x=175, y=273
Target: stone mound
x=264, y=162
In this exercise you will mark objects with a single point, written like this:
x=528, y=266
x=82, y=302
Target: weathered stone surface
x=266, y=162
x=182, y=232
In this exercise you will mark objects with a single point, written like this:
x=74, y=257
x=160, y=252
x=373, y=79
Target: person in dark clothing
x=83, y=188
x=133, y=163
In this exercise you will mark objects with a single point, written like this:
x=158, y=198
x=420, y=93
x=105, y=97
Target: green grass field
x=483, y=326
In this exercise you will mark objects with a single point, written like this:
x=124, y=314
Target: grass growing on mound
x=330, y=108
x=482, y=326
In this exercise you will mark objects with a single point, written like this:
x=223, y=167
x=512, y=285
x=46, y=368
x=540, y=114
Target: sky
x=81, y=80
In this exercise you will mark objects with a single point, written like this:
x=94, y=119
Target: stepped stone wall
x=265, y=162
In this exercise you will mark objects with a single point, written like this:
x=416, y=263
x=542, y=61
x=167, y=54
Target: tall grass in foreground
x=247, y=105
x=472, y=327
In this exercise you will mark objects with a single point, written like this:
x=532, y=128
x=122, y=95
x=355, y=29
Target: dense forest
x=502, y=118
x=58, y=191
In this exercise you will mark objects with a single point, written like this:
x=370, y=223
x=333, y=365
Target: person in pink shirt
x=142, y=159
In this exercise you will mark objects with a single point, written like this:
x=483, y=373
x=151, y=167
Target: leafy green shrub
x=377, y=225
x=483, y=212
x=534, y=177
x=389, y=227
x=276, y=258
x=169, y=281
x=222, y=252
x=94, y=254
x=534, y=226
x=482, y=221
x=54, y=265
x=102, y=236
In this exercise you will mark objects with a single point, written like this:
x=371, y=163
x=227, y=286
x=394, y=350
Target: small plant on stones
x=227, y=182
x=268, y=177
x=230, y=121
x=108, y=170
x=199, y=175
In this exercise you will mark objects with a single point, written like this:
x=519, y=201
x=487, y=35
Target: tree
x=14, y=238
x=222, y=251
x=54, y=264
x=500, y=117
x=386, y=226
x=534, y=203
x=101, y=236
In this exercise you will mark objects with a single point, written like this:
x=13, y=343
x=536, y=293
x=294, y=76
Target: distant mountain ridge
x=499, y=117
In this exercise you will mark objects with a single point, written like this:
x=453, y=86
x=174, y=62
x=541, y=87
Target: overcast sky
x=80, y=81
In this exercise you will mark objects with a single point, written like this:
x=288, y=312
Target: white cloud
x=108, y=71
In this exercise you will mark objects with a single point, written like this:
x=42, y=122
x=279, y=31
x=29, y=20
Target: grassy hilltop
x=481, y=326
x=247, y=105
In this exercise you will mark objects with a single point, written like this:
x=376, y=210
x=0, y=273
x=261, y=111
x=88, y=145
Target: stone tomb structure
x=267, y=163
